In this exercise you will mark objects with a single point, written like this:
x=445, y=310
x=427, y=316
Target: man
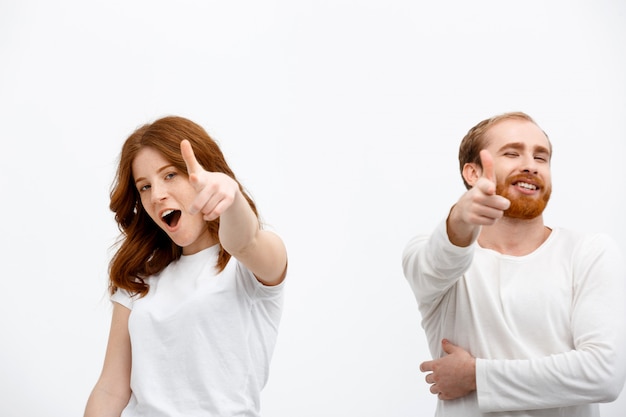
x=523, y=319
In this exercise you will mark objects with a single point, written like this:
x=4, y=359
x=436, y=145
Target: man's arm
x=479, y=206
x=593, y=371
x=452, y=376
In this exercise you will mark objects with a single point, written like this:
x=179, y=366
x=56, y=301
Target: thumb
x=448, y=347
x=486, y=160
x=193, y=166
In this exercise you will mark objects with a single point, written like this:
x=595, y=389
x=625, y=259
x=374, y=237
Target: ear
x=471, y=173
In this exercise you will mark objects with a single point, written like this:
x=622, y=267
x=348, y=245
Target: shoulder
x=125, y=298
x=583, y=240
x=586, y=248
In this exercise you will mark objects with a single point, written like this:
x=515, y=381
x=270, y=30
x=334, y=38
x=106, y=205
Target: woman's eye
x=510, y=154
x=170, y=175
x=144, y=187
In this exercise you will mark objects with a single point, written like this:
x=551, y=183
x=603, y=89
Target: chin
x=526, y=210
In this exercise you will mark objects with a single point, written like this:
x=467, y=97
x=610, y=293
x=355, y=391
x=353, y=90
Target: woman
x=195, y=283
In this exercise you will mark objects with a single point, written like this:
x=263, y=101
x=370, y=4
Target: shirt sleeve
x=255, y=289
x=123, y=297
x=595, y=369
x=432, y=264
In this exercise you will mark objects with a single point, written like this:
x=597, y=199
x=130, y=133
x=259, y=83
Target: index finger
x=426, y=366
x=486, y=160
x=193, y=166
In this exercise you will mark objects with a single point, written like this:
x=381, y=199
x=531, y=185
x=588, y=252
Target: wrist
x=460, y=233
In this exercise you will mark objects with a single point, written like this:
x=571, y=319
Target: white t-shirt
x=201, y=341
x=548, y=329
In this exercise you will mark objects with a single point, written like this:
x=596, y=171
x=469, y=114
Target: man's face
x=521, y=153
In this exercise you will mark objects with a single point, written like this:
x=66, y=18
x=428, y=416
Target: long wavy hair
x=144, y=249
x=474, y=141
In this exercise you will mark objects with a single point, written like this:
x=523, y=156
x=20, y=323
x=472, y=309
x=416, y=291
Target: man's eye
x=510, y=154
x=541, y=158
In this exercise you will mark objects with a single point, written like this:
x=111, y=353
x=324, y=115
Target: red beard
x=522, y=206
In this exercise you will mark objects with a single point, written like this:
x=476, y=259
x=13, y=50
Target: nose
x=158, y=193
x=530, y=164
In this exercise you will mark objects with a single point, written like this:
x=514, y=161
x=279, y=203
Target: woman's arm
x=112, y=391
x=261, y=251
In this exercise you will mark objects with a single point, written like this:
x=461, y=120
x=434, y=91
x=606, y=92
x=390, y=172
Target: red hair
x=144, y=248
x=474, y=141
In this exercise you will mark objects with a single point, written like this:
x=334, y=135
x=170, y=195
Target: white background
x=342, y=118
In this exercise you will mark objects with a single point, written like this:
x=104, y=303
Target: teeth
x=166, y=213
x=526, y=185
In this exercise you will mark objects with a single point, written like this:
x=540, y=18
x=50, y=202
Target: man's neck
x=514, y=237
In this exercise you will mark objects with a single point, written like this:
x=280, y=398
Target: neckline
x=549, y=238
x=212, y=250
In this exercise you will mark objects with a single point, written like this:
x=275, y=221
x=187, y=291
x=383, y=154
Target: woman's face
x=165, y=195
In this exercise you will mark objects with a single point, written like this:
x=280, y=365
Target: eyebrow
x=521, y=145
x=163, y=168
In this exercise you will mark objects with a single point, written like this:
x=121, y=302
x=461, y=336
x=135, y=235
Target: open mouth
x=526, y=186
x=171, y=217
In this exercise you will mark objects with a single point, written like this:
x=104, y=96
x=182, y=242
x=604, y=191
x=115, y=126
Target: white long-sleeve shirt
x=548, y=329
